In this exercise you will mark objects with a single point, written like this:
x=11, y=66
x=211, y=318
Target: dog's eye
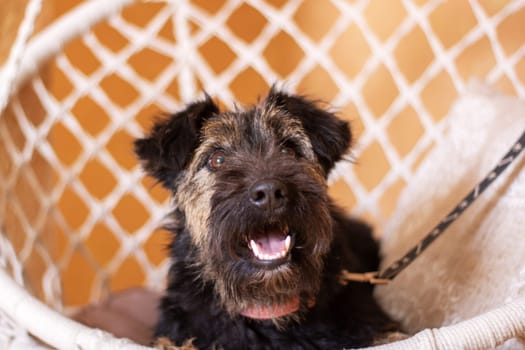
x=288, y=151
x=216, y=160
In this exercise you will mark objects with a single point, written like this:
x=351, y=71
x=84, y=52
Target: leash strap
x=399, y=265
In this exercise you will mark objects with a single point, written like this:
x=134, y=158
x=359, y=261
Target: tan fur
x=164, y=343
x=193, y=198
x=289, y=127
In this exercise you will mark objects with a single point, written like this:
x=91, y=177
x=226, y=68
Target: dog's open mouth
x=271, y=246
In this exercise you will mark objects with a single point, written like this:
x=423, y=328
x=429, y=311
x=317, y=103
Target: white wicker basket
x=41, y=313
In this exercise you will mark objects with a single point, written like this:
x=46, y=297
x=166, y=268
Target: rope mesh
x=76, y=208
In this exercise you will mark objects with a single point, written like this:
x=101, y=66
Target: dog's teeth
x=264, y=256
x=287, y=243
x=254, y=248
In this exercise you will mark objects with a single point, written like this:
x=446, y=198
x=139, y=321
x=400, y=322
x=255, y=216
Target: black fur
x=170, y=145
x=343, y=317
x=210, y=281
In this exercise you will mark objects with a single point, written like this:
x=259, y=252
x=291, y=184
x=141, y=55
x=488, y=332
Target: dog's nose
x=269, y=194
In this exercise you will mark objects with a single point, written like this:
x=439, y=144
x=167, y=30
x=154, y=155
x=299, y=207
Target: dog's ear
x=330, y=136
x=169, y=146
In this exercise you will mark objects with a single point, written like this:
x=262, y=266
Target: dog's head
x=251, y=185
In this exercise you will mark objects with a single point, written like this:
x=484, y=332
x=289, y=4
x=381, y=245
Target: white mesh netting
x=74, y=205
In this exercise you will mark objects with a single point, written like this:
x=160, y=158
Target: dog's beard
x=240, y=281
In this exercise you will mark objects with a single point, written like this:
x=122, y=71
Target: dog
x=258, y=245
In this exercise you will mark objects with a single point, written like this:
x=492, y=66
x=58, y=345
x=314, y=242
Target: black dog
x=258, y=245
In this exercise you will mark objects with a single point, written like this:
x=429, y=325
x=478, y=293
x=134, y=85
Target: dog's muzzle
x=271, y=245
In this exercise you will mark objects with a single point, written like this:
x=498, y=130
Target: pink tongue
x=271, y=243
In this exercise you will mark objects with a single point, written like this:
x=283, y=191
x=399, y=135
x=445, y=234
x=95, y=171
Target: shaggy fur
x=260, y=174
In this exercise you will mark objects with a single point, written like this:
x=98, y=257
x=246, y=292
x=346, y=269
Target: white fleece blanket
x=479, y=262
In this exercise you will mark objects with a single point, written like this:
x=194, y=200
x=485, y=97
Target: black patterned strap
x=399, y=265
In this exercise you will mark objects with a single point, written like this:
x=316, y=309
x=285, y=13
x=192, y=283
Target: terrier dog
x=258, y=246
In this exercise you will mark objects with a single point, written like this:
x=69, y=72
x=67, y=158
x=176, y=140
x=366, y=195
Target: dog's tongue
x=271, y=242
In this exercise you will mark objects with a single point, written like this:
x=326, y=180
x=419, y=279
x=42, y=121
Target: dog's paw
x=164, y=343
